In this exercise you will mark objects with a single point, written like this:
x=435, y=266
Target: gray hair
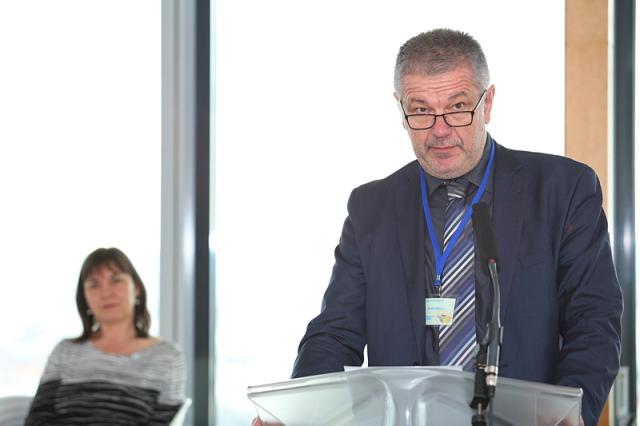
x=438, y=51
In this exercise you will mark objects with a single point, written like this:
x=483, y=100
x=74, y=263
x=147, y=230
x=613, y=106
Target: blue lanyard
x=441, y=257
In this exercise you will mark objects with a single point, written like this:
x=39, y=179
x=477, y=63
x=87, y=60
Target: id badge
x=439, y=310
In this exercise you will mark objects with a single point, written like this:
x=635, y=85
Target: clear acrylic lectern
x=411, y=396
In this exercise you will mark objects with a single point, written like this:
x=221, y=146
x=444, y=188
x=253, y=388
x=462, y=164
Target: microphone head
x=484, y=233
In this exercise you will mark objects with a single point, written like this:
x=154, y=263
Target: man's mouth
x=445, y=149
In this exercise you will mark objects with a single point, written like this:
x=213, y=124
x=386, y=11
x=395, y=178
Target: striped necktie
x=458, y=341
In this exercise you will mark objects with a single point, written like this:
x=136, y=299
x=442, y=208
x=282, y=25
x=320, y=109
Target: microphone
x=484, y=233
x=489, y=256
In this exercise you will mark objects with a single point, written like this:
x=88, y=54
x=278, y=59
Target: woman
x=114, y=372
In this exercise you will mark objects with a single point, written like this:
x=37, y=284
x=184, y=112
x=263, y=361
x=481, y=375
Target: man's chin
x=445, y=171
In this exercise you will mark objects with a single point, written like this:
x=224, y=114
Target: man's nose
x=440, y=127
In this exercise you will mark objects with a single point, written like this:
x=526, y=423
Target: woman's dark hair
x=111, y=257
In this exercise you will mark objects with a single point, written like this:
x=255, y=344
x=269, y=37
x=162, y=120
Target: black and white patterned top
x=82, y=385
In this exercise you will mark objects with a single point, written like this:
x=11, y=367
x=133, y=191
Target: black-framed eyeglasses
x=453, y=119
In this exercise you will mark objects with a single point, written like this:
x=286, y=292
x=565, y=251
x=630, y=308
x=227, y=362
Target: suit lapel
x=410, y=228
x=508, y=217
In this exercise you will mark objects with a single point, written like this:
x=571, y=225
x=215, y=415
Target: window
x=79, y=164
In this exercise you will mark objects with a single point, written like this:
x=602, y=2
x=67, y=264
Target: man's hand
x=563, y=423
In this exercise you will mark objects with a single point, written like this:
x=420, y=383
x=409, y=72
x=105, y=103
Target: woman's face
x=111, y=295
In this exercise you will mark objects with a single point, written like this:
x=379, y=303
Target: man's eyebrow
x=461, y=94
x=458, y=95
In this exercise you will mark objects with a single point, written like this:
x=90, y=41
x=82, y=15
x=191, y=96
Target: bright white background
x=79, y=163
x=304, y=112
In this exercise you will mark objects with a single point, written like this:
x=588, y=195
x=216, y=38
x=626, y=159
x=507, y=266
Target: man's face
x=443, y=151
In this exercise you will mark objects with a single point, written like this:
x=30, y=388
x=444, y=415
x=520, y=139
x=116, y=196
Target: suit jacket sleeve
x=589, y=298
x=336, y=337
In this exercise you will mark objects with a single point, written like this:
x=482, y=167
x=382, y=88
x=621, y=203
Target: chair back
x=14, y=409
x=178, y=419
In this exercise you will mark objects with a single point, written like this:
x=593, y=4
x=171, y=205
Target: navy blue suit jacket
x=561, y=302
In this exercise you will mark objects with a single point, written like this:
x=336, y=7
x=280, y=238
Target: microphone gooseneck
x=488, y=356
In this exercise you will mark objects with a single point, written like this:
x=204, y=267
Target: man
x=407, y=247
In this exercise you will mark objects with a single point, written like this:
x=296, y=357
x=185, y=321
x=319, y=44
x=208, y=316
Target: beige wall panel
x=586, y=84
x=586, y=99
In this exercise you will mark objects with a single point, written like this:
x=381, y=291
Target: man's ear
x=488, y=103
